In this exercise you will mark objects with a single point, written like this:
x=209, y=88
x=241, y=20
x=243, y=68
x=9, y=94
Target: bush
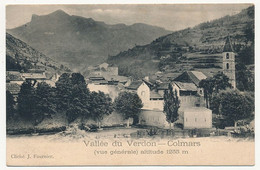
x=222, y=123
x=90, y=127
x=179, y=125
x=152, y=131
x=200, y=132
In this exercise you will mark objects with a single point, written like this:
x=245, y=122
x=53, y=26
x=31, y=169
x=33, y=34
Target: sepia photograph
x=130, y=84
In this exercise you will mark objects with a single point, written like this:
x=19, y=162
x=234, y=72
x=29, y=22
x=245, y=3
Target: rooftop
x=96, y=78
x=186, y=86
x=13, y=76
x=228, y=45
x=33, y=76
x=13, y=88
x=116, y=78
x=191, y=77
x=134, y=85
x=163, y=86
x=155, y=95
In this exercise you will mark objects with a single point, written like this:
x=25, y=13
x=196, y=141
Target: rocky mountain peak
x=59, y=13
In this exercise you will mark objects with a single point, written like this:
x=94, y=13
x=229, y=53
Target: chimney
x=146, y=78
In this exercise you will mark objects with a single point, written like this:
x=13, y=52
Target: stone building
x=188, y=90
x=191, y=96
x=197, y=117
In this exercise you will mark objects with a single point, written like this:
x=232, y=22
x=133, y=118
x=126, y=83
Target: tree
x=73, y=96
x=128, y=104
x=45, y=101
x=63, y=92
x=171, y=105
x=244, y=78
x=9, y=105
x=234, y=105
x=12, y=64
x=213, y=85
x=221, y=82
x=76, y=109
x=81, y=97
x=101, y=105
x=207, y=85
x=27, y=102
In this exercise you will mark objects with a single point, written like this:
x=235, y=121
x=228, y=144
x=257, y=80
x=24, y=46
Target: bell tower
x=229, y=62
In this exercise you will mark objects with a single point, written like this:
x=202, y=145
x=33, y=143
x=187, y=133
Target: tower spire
x=229, y=68
x=228, y=45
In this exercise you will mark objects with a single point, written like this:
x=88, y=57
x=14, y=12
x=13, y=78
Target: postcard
x=130, y=84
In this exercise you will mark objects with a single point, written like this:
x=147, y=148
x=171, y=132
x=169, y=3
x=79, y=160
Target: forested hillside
x=22, y=57
x=199, y=47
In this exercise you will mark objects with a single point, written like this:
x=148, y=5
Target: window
x=142, y=93
x=186, y=119
x=227, y=66
x=195, y=119
x=205, y=120
x=227, y=56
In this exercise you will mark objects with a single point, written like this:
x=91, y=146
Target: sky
x=171, y=16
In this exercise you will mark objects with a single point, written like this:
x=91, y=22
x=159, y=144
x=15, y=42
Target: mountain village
x=130, y=84
x=71, y=74
x=105, y=78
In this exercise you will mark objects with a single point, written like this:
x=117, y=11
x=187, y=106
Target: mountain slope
x=199, y=47
x=80, y=41
x=22, y=57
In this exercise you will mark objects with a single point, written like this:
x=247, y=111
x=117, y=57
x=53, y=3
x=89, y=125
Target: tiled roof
x=36, y=71
x=228, y=45
x=13, y=88
x=155, y=95
x=99, y=82
x=191, y=77
x=148, y=82
x=115, y=78
x=96, y=78
x=33, y=76
x=186, y=86
x=134, y=85
x=163, y=86
x=13, y=76
x=199, y=75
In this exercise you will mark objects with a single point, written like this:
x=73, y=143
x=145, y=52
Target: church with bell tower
x=229, y=68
